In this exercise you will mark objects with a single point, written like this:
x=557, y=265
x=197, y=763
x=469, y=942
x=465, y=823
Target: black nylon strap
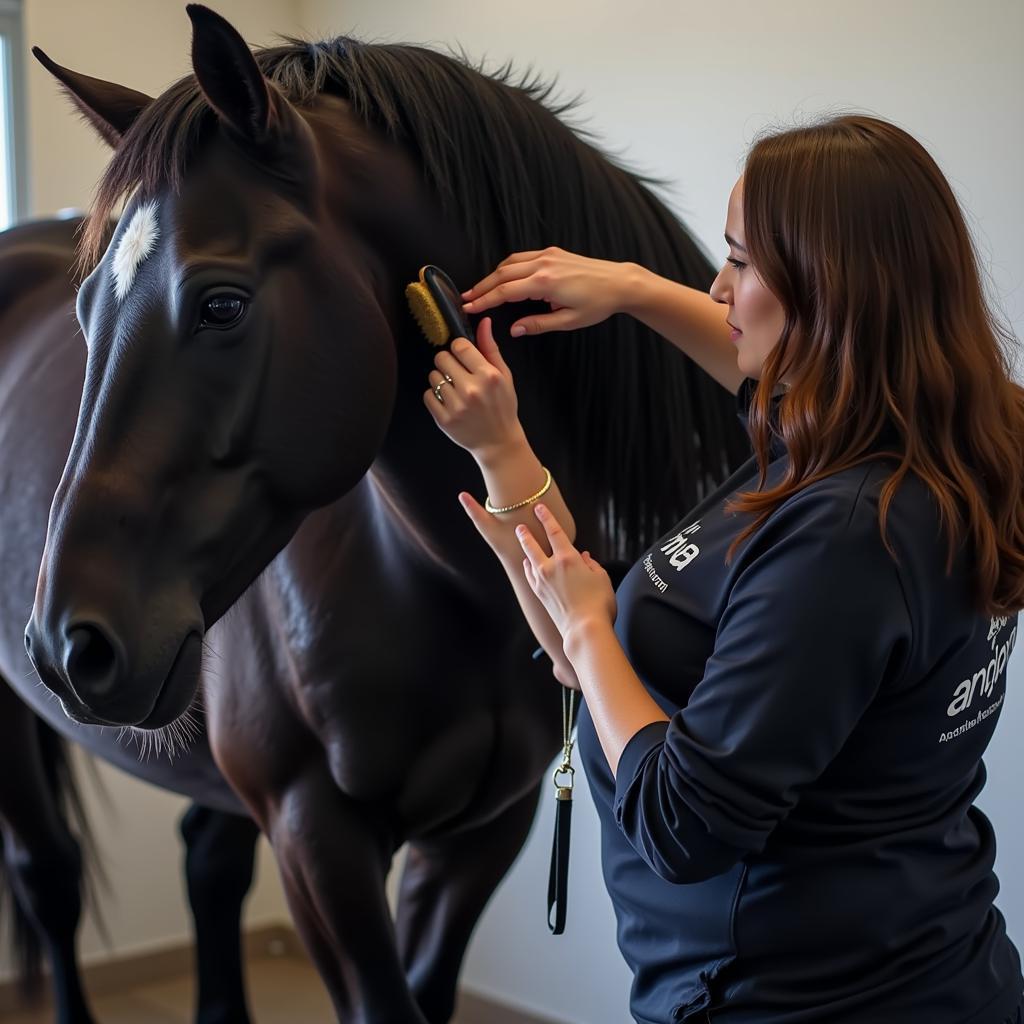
x=558, y=878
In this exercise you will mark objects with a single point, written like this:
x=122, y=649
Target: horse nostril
x=91, y=660
x=28, y=645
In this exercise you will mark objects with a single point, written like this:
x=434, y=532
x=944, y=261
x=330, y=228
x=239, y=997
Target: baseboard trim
x=134, y=970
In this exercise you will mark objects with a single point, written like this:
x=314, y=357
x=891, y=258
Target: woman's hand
x=571, y=586
x=494, y=532
x=581, y=291
x=477, y=408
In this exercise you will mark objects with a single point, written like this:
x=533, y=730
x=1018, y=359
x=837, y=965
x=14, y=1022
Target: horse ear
x=229, y=76
x=111, y=109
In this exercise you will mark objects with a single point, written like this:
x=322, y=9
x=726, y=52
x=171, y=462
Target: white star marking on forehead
x=136, y=244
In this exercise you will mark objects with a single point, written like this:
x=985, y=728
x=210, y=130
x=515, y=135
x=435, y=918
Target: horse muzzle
x=87, y=667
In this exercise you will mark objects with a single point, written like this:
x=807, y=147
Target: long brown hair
x=852, y=225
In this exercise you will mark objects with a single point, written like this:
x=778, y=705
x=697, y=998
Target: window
x=12, y=93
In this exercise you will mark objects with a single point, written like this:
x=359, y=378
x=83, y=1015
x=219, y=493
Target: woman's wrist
x=582, y=635
x=636, y=287
x=512, y=473
x=492, y=456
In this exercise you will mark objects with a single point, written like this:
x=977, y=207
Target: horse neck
x=403, y=227
x=421, y=469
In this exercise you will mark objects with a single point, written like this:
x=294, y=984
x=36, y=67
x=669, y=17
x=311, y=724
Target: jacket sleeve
x=816, y=622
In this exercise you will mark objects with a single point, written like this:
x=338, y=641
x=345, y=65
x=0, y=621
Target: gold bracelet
x=526, y=501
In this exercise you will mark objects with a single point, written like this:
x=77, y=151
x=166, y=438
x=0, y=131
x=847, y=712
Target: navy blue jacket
x=799, y=843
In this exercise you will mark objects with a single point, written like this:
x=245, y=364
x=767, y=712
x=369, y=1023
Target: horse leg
x=333, y=854
x=220, y=853
x=43, y=859
x=445, y=885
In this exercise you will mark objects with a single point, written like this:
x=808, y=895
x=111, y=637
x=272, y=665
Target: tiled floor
x=282, y=990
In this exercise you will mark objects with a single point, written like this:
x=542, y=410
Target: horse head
x=240, y=372
x=248, y=356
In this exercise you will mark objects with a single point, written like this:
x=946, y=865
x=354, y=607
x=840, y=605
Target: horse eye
x=222, y=311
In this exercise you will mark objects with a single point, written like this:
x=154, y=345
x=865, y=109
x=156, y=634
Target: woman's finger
x=446, y=362
x=478, y=515
x=450, y=399
x=468, y=355
x=489, y=347
x=450, y=390
x=531, y=576
x=518, y=290
x=495, y=276
x=440, y=413
x=504, y=273
x=560, y=320
x=559, y=538
x=520, y=257
x=533, y=551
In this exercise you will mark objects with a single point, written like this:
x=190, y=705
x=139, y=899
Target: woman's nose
x=719, y=289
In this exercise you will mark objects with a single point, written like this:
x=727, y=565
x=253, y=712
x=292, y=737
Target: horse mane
x=647, y=432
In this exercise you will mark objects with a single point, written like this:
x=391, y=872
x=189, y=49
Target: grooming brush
x=436, y=304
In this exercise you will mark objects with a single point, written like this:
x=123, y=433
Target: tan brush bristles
x=428, y=316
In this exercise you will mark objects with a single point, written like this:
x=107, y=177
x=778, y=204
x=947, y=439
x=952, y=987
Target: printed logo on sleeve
x=681, y=552
x=680, y=548
x=982, y=682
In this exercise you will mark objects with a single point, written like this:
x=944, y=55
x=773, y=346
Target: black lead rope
x=558, y=877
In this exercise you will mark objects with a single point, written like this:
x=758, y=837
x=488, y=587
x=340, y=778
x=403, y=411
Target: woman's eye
x=222, y=311
x=735, y=264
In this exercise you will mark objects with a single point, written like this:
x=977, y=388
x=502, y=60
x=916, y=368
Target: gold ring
x=437, y=389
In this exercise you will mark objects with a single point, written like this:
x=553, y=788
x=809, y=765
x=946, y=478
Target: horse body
x=322, y=661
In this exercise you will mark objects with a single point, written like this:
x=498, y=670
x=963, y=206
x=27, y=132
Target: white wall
x=681, y=87
x=144, y=44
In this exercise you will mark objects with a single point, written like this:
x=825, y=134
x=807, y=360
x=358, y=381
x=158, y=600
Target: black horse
x=251, y=437
x=49, y=851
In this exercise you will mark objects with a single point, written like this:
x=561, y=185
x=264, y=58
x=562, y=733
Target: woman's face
x=756, y=315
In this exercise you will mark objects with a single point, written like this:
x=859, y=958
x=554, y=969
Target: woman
x=788, y=698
